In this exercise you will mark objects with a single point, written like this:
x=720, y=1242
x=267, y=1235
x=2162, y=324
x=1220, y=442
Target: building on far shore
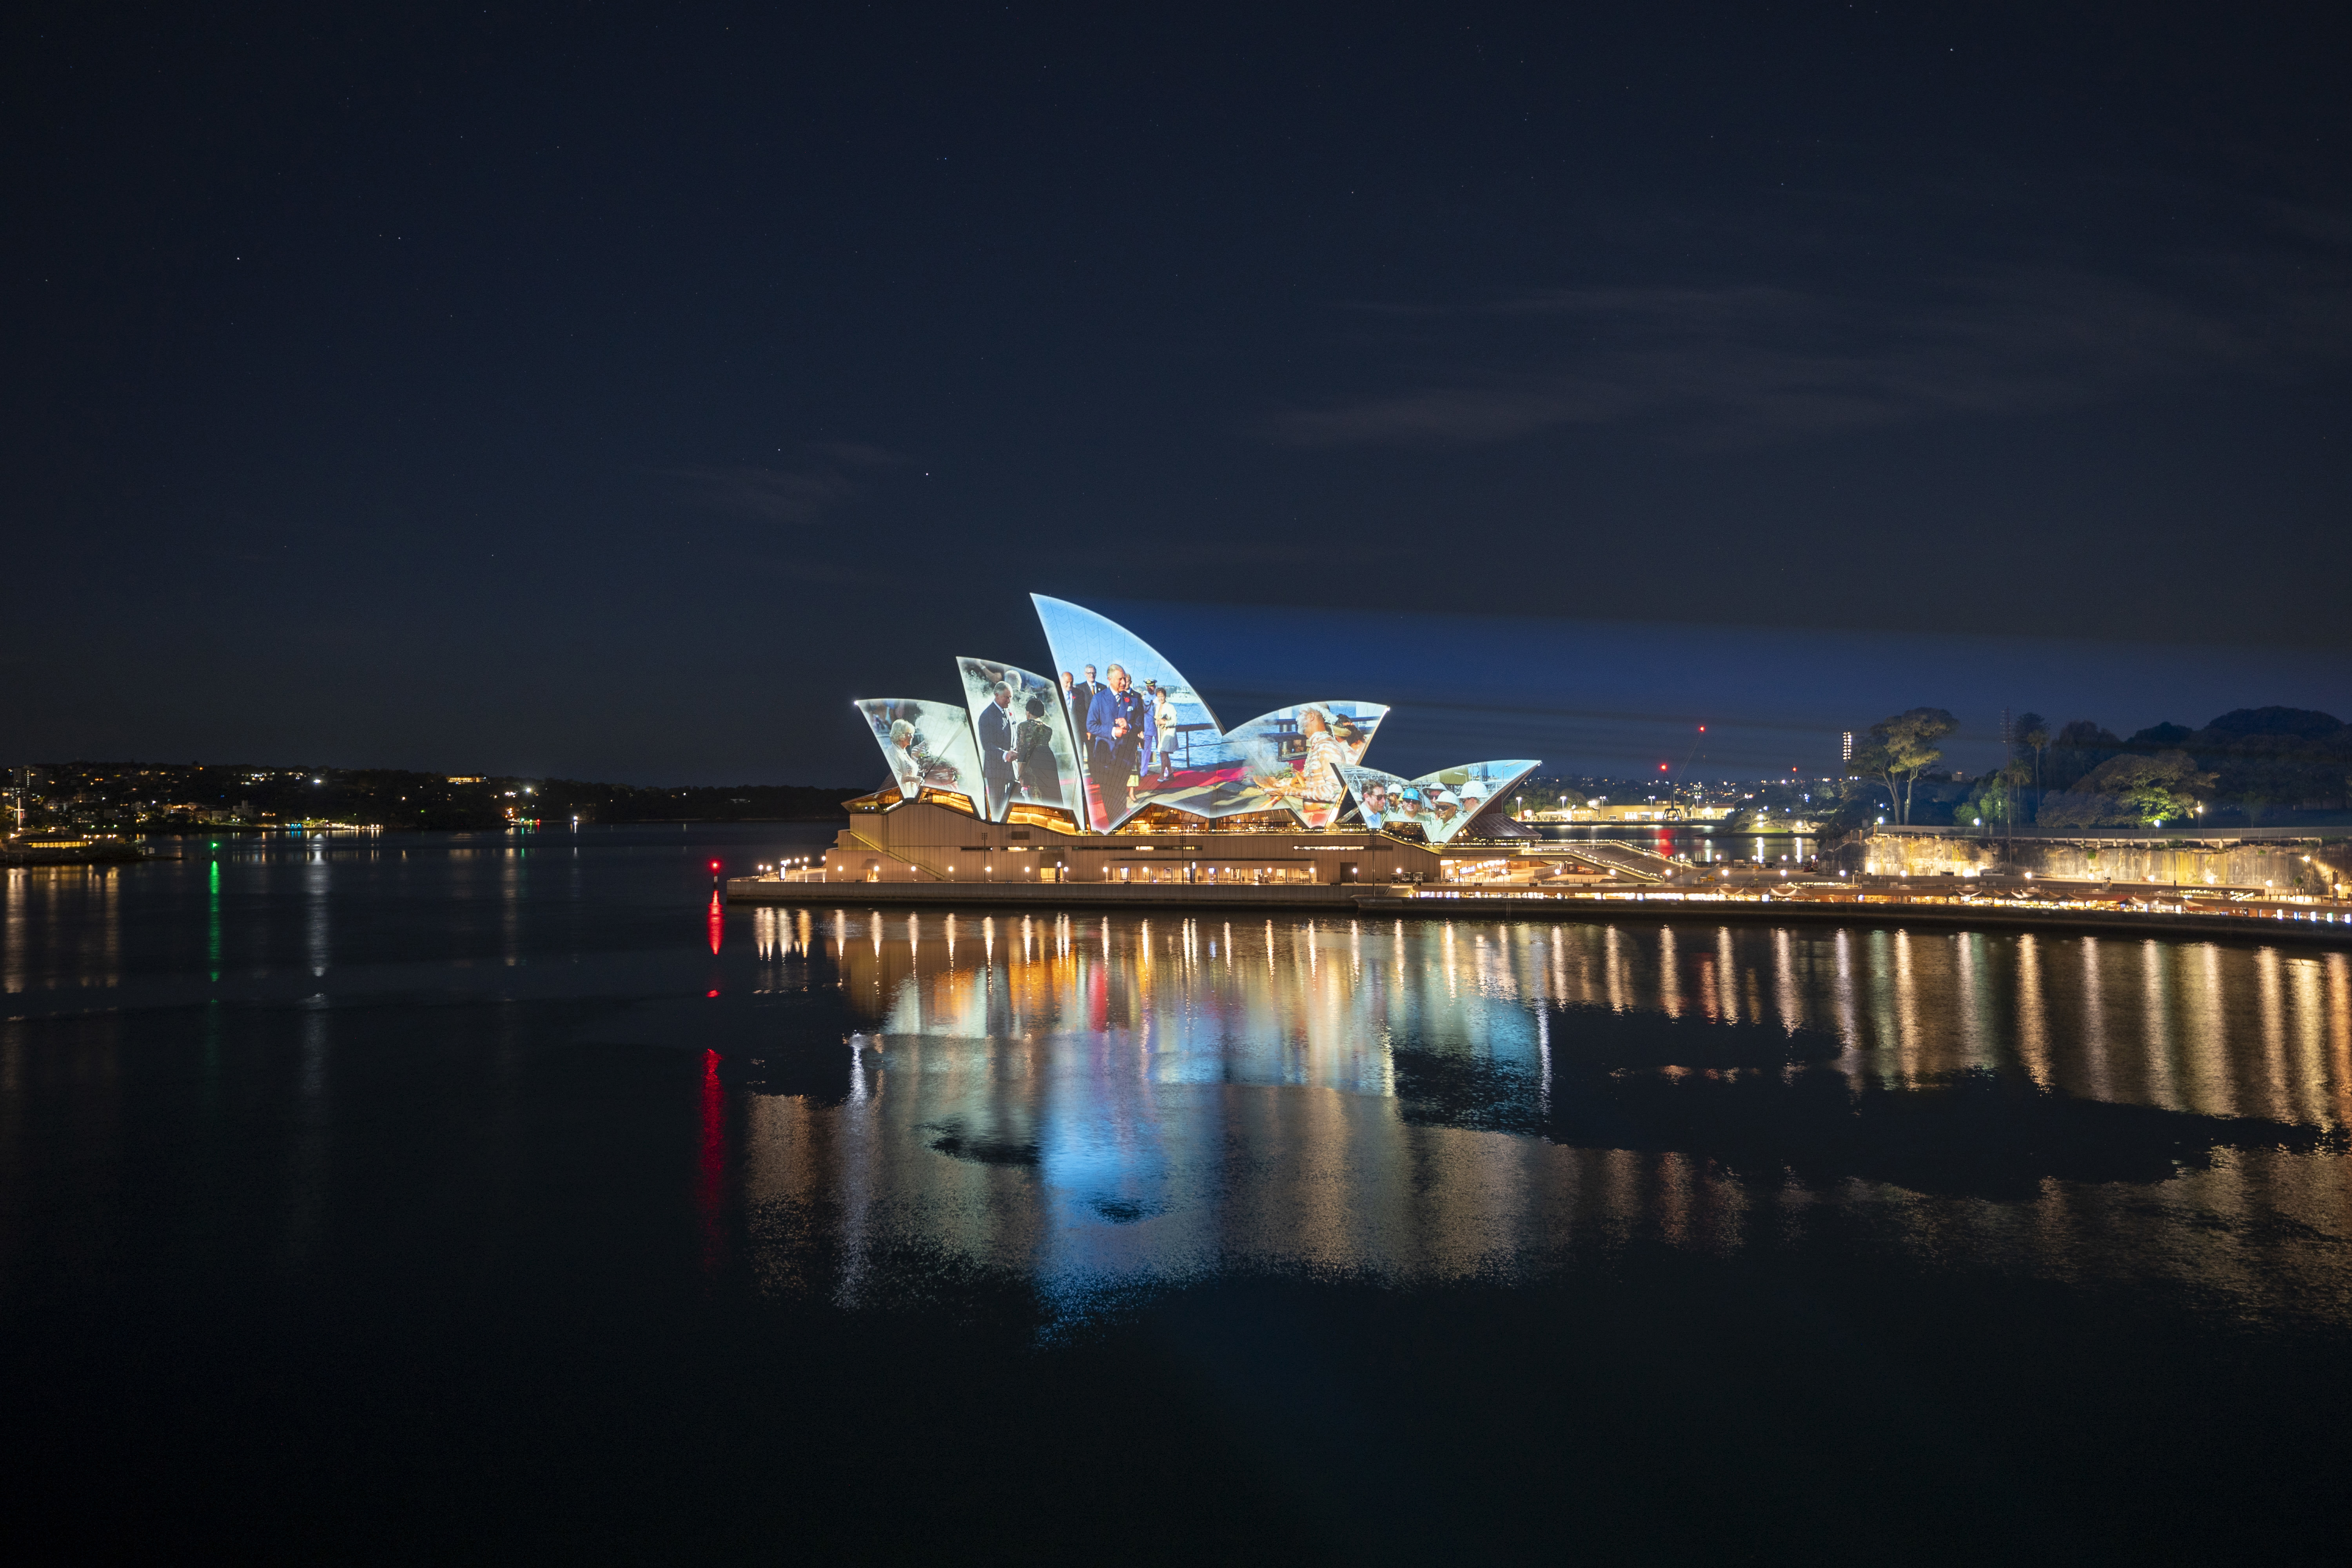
x=1635, y=811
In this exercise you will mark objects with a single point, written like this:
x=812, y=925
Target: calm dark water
x=463, y=1194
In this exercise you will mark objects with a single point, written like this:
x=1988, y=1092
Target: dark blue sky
x=618, y=391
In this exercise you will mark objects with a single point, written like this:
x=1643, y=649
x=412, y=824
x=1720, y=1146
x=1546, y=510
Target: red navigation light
x=1662, y=767
x=714, y=865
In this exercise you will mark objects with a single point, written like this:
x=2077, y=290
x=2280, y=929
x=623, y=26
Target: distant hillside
x=2263, y=759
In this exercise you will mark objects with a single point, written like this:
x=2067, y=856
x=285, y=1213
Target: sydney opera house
x=1112, y=769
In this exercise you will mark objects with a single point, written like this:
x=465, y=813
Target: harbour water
x=464, y=1192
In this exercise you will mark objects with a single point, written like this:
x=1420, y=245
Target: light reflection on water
x=1098, y=1104
x=1103, y=1101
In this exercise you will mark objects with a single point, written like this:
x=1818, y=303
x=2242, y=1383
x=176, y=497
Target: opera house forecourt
x=1112, y=778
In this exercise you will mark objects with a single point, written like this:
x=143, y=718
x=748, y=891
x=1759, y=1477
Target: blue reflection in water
x=1100, y=1103
x=1087, y=1105
x=430, y=1145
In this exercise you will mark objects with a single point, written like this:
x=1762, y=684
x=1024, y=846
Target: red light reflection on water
x=710, y=1177
x=1098, y=996
x=717, y=923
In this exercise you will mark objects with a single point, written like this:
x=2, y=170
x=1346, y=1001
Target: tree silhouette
x=1901, y=749
x=2033, y=734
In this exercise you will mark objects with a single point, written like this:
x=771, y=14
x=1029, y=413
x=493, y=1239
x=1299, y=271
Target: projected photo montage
x=927, y=745
x=1115, y=727
x=1022, y=732
x=1440, y=804
x=1143, y=733
x=1146, y=738
x=1288, y=760
x=1296, y=758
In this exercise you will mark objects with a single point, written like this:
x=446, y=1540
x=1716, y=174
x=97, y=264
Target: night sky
x=615, y=392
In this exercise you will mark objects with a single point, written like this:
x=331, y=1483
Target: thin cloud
x=1748, y=363
x=821, y=478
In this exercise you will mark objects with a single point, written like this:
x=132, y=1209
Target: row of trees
x=2123, y=792
x=2253, y=761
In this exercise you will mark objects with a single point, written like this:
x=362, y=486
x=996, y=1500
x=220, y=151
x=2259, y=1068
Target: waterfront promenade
x=2151, y=910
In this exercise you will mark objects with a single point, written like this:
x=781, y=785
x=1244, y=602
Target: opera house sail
x=1440, y=804
x=1118, y=731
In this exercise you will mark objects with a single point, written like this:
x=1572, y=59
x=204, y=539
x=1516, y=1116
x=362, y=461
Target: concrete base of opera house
x=936, y=844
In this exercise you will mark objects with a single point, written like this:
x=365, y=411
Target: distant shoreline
x=248, y=830
x=131, y=848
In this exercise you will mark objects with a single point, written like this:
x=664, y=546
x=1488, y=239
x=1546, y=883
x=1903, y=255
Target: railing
x=915, y=865
x=2313, y=910
x=2185, y=833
